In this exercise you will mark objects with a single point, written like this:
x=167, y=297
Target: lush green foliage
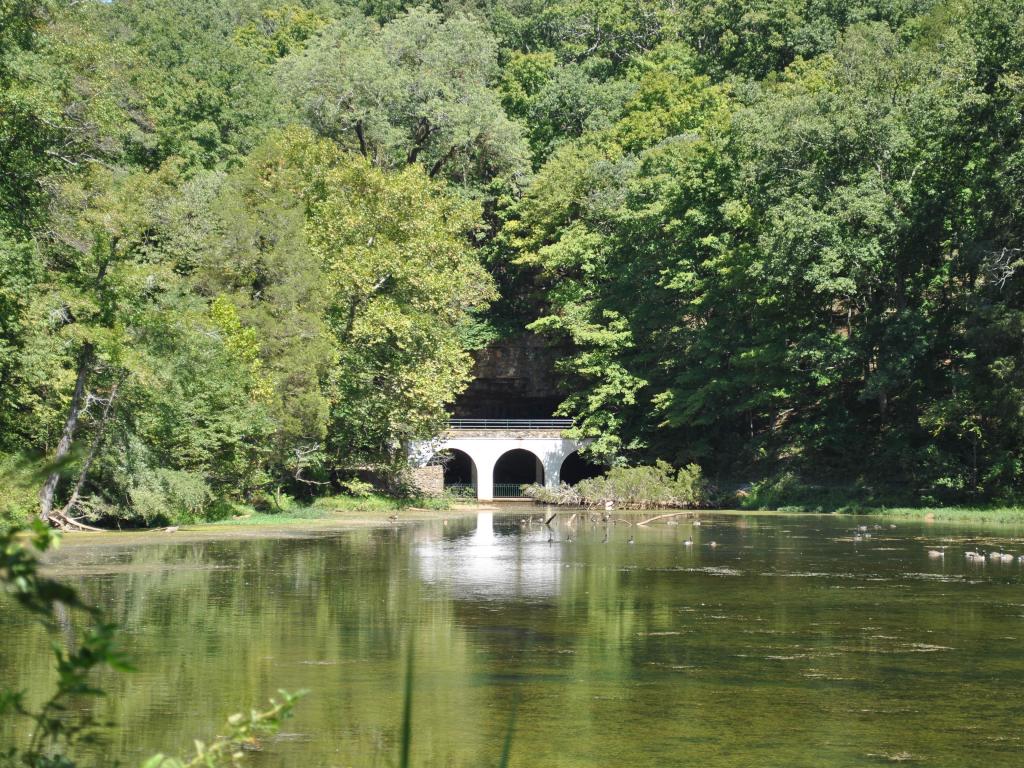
x=241, y=243
x=415, y=91
x=641, y=487
x=202, y=301
x=801, y=260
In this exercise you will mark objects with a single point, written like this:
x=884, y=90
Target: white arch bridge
x=501, y=449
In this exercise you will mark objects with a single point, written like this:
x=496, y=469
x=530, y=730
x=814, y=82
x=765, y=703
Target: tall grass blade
x=506, y=750
x=403, y=761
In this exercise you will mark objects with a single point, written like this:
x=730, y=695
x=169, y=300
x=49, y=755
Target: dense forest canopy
x=246, y=246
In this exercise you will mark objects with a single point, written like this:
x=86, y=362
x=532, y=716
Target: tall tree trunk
x=68, y=435
x=65, y=515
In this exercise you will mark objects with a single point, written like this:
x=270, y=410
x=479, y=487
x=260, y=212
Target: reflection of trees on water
x=332, y=615
x=603, y=641
x=496, y=611
x=218, y=624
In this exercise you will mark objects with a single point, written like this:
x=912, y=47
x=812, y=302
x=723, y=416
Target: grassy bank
x=954, y=514
x=378, y=507
x=333, y=508
x=1008, y=515
x=789, y=492
x=297, y=521
x=992, y=514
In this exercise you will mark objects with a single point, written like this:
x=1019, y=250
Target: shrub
x=356, y=487
x=564, y=494
x=19, y=501
x=788, y=492
x=173, y=495
x=640, y=487
x=460, y=492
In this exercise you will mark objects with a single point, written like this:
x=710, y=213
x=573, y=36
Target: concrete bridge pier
x=548, y=454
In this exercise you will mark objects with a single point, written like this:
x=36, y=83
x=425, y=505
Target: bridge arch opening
x=576, y=468
x=514, y=469
x=459, y=470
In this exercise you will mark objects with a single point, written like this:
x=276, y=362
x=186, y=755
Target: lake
x=796, y=641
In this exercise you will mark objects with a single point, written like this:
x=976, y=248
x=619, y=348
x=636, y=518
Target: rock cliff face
x=512, y=379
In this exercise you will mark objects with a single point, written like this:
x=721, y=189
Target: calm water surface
x=789, y=644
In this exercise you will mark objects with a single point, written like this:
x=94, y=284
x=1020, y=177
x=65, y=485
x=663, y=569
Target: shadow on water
x=795, y=641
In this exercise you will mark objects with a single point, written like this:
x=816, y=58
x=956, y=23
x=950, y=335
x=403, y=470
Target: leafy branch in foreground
x=243, y=730
x=55, y=729
x=57, y=726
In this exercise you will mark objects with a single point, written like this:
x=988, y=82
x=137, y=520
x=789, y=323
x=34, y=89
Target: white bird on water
x=689, y=543
x=937, y=553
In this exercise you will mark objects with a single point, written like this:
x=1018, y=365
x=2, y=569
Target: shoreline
x=262, y=528
x=284, y=525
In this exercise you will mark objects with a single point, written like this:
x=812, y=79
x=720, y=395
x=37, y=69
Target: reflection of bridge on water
x=497, y=456
x=490, y=565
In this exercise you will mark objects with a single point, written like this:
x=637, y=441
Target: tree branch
x=662, y=517
x=419, y=139
x=436, y=168
x=361, y=135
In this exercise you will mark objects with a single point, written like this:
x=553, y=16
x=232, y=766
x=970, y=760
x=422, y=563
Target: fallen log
x=66, y=522
x=662, y=517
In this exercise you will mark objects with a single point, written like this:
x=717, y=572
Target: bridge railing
x=508, y=491
x=510, y=423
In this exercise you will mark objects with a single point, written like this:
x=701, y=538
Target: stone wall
x=429, y=480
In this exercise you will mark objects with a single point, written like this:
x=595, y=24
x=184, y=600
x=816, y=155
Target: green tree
x=402, y=281
x=357, y=282
x=419, y=90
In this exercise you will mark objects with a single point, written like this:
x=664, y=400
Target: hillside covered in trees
x=247, y=246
